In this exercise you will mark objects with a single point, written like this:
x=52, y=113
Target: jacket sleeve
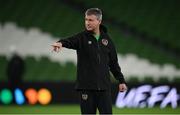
x=70, y=42
x=113, y=64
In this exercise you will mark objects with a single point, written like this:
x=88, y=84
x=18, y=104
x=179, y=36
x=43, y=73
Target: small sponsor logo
x=84, y=96
x=89, y=42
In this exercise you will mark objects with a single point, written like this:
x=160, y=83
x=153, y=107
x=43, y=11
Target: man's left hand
x=122, y=87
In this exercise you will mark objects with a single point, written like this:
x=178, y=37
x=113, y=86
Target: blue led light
x=19, y=97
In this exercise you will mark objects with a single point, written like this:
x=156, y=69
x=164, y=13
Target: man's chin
x=89, y=29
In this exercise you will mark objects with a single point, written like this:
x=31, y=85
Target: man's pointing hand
x=57, y=46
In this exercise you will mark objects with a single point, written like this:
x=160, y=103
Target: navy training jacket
x=95, y=59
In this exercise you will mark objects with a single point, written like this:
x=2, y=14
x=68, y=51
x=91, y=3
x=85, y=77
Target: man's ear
x=100, y=22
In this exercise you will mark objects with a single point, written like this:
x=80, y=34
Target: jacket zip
x=99, y=60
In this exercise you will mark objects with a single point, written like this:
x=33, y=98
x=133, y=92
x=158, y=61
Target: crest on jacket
x=105, y=42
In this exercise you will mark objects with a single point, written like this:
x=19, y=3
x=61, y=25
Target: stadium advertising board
x=137, y=96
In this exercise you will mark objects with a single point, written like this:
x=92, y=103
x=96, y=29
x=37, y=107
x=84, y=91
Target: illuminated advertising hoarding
x=137, y=96
x=30, y=96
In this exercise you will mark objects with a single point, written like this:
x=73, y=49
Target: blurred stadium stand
x=149, y=29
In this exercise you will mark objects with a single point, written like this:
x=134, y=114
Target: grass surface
x=74, y=109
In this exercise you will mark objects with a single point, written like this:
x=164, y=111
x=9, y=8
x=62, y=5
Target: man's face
x=91, y=22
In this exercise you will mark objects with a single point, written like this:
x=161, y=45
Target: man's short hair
x=94, y=11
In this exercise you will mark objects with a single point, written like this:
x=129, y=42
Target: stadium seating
x=60, y=20
x=157, y=18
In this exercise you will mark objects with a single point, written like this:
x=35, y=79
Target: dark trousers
x=90, y=101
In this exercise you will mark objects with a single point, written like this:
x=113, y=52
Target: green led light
x=6, y=96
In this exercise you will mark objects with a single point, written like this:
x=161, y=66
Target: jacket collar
x=103, y=30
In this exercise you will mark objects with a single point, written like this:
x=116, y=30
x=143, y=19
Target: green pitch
x=74, y=109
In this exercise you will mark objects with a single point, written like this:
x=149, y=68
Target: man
x=96, y=55
x=15, y=71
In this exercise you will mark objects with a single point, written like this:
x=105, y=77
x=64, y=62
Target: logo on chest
x=105, y=42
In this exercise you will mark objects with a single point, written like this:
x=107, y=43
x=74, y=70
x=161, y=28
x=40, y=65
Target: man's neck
x=97, y=31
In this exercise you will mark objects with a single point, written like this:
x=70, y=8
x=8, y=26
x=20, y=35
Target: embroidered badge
x=84, y=96
x=105, y=42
